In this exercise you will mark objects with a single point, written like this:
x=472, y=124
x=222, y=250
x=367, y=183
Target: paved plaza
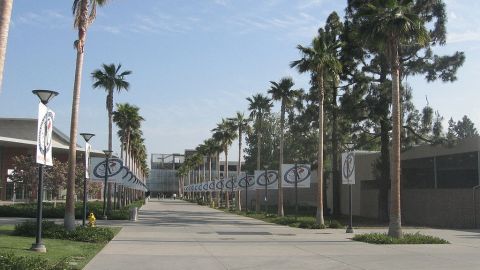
x=179, y=235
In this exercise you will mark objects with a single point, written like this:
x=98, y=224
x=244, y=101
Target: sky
x=194, y=62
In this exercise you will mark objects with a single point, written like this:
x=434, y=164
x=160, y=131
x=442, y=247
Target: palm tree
x=84, y=12
x=128, y=120
x=5, y=14
x=319, y=59
x=283, y=91
x=387, y=25
x=225, y=134
x=240, y=123
x=110, y=78
x=259, y=106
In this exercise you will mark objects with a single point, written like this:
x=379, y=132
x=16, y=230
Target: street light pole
x=108, y=154
x=45, y=96
x=350, y=225
x=86, y=137
x=296, y=191
x=266, y=189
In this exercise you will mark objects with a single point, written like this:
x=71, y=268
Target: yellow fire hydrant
x=91, y=220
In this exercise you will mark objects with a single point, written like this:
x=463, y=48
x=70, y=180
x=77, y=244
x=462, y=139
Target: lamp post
x=108, y=154
x=350, y=225
x=45, y=96
x=266, y=188
x=296, y=190
x=86, y=137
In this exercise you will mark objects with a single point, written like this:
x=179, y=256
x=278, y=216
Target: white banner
x=246, y=182
x=88, y=149
x=205, y=186
x=271, y=179
x=303, y=175
x=97, y=169
x=348, y=168
x=231, y=184
x=219, y=184
x=44, y=135
x=211, y=186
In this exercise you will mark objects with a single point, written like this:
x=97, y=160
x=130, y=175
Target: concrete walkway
x=179, y=235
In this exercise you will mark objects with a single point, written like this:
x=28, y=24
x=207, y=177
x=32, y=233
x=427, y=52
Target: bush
x=29, y=210
x=56, y=231
x=334, y=224
x=12, y=262
x=408, y=238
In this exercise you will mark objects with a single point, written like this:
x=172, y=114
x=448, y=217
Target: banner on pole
x=98, y=170
x=348, y=168
x=44, y=135
x=271, y=179
x=88, y=149
x=303, y=175
x=246, y=182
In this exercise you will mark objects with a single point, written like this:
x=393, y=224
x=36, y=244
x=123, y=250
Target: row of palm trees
x=383, y=26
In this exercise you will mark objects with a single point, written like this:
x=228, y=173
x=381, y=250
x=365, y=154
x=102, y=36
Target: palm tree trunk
x=110, y=121
x=395, y=226
x=319, y=217
x=280, y=212
x=259, y=139
x=5, y=14
x=239, y=169
x=69, y=218
x=335, y=149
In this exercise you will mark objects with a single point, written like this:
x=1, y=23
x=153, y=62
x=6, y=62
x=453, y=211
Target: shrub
x=91, y=235
x=29, y=210
x=56, y=231
x=408, y=238
x=334, y=224
x=12, y=262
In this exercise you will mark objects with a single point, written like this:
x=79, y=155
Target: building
x=163, y=174
x=439, y=185
x=18, y=136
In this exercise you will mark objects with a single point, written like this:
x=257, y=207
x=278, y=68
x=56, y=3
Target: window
x=418, y=173
x=457, y=171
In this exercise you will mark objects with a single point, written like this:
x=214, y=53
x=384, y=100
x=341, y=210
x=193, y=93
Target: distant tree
x=459, y=130
x=259, y=106
x=110, y=78
x=241, y=124
x=25, y=174
x=282, y=91
x=56, y=178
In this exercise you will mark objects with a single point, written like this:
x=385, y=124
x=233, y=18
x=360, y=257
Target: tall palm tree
x=320, y=59
x=225, y=134
x=84, y=12
x=110, y=78
x=283, y=92
x=241, y=124
x=5, y=14
x=259, y=106
x=128, y=120
x=386, y=25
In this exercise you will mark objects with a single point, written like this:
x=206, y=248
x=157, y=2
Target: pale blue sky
x=193, y=61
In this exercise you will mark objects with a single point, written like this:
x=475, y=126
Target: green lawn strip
x=304, y=222
x=77, y=254
x=408, y=238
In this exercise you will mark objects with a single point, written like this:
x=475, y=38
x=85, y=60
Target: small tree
x=56, y=178
x=25, y=173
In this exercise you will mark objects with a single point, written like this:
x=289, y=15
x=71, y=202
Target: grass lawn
x=78, y=254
